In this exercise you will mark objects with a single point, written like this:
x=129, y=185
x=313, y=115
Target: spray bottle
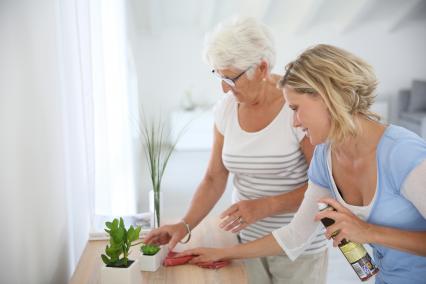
x=354, y=253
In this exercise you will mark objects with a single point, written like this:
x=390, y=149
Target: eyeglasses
x=230, y=81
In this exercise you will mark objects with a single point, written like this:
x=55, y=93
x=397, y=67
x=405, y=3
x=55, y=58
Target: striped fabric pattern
x=264, y=163
x=269, y=175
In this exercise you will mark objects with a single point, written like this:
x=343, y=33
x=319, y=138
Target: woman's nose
x=296, y=122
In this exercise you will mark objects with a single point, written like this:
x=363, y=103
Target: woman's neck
x=364, y=143
x=267, y=92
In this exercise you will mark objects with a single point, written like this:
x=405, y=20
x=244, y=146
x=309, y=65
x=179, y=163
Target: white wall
x=397, y=57
x=169, y=62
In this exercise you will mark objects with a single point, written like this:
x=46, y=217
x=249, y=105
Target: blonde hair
x=345, y=82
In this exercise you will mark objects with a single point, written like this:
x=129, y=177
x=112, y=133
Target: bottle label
x=353, y=251
x=359, y=259
x=359, y=270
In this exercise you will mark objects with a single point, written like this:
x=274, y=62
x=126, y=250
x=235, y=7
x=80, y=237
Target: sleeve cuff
x=292, y=253
x=287, y=250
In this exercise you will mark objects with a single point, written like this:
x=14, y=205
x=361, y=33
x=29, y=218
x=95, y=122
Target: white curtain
x=113, y=113
x=63, y=94
x=76, y=86
x=46, y=139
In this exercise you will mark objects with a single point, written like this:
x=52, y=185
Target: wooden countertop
x=206, y=234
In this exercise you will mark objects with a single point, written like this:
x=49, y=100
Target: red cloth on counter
x=171, y=260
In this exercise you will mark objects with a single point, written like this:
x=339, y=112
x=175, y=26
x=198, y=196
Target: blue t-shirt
x=398, y=153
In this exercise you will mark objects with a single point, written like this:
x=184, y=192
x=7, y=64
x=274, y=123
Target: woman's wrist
x=274, y=205
x=187, y=231
x=229, y=253
x=373, y=234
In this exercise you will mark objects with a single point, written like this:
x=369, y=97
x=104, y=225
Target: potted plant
x=151, y=257
x=158, y=149
x=118, y=268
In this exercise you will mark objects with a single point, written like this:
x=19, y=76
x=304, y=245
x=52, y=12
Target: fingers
x=163, y=239
x=162, y=236
x=236, y=225
x=195, y=260
x=338, y=239
x=203, y=264
x=239, y=227
x=176, y=235
x=227, y=223
x=154, y=241
x=231, y=210
x=332, y=231
x=328, y=214
x=173, y=241
x=338, y=236
x=337, y=232
x=151, y=235
x=335, y=204
x=188, y=252
x=200, y=260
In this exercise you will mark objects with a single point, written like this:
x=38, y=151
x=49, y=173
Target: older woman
x=373, y=174
x=253, y=139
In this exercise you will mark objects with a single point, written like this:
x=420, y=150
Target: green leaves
x=149, y=249
x=133, y=234
x=120, y=241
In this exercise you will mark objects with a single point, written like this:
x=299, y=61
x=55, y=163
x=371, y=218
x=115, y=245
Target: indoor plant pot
x=122, y=275
x=151, y=262
x=118, y=267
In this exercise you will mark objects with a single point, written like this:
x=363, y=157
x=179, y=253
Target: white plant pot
x=153, y=262
x=115, y=275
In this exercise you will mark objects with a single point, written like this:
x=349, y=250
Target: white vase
x=116, y=275
x=152, y=208
x=153, y=262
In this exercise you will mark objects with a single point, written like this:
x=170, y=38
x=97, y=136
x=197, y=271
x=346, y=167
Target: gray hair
x=239, y=43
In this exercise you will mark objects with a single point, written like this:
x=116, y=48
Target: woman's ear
x=263, y=69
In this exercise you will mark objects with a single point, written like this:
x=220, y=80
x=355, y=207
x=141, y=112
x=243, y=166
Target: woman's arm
x=290, y=202
x=250, y=211
x=354, y=229
x=211, y=187
x=408, y=241
x=265, y=246
x=207, y=194
x=292, y=239
x=414, y=189
x=350, y=227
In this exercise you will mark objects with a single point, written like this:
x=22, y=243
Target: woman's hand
x=244, y=213
x=167, y=234
x=204, y=255
x=347, y=225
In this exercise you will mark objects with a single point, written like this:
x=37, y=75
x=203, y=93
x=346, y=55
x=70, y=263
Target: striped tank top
x=265, y=163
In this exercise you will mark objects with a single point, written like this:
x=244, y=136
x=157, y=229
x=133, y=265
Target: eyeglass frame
x=230, y=81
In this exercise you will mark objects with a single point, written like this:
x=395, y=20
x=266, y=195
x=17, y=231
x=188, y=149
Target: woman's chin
x=316, y=140
x=238, y=98
x=313, y=141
